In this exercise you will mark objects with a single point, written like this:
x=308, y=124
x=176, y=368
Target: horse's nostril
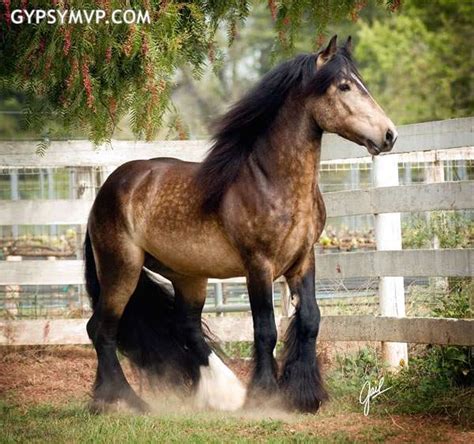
x=389, y=136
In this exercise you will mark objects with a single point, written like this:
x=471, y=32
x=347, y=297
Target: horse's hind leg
x=215, y=384
x=118, y=269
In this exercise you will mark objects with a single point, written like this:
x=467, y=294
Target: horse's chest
x=281, y=238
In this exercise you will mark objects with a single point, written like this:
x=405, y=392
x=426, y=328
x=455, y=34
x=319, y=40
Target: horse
x=252, y=208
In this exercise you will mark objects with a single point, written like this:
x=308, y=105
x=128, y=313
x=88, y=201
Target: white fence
x=419, y=138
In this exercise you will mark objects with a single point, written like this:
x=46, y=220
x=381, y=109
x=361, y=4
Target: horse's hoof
x=124, y=402
x=263, y=396
x=137, y=404
x=218, y=387
x=99, y=406
x=301, y=387
x=261, y=400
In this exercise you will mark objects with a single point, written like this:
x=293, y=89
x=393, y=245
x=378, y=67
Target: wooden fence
x=333, y=328
x=443, y=135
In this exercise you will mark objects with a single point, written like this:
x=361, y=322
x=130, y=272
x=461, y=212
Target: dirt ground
x=58, y=376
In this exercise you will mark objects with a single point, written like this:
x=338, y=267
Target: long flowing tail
x=92, y=281
x=148, y=333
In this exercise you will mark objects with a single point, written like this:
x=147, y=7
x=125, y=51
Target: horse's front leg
x=260, y=288
x=300, y=381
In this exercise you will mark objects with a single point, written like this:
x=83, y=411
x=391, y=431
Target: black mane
x=250, y=118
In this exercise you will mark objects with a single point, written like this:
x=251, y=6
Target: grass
x=74, y=423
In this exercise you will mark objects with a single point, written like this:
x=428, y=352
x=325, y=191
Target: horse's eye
x=344, y=87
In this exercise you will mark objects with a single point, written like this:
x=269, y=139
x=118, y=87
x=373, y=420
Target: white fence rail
x=423, y=197
x=440, y=135
x=333, y=328
x=409, y=263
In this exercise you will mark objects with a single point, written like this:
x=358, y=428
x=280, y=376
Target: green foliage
x=406, y=66
x=436, y=382
x=42, y=146
x=418, y=64
x=238, y=350
x=244, y=349
x=458, y=301
x=440, y=380
x=352, y=371
x=451, y=229
x=452, y=25
x=91, y=75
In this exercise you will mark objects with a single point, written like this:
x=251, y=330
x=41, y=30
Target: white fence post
x=219, y=298
x=53, y=229
x=14, y=195
x=286, y=307
x=84, y=189
x=388, y=236
x=434, y=173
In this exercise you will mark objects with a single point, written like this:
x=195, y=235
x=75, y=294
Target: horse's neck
x=293, y=152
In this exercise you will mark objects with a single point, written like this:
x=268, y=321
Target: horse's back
x=117, y=196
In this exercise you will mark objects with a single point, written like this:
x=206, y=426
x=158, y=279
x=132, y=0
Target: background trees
x=74, y=78
x=101, y=80
x=419, y=64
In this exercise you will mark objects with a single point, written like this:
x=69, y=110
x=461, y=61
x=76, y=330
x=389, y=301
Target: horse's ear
x=348, y=44
x=331, y=48
x=327, y=53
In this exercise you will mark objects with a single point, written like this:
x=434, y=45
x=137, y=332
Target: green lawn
x=74, y=423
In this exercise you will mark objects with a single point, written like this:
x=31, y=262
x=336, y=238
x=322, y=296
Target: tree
x=90, y=75
x=408, y=81
x=419, y=64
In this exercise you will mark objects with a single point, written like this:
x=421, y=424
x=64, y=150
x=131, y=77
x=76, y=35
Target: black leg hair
x=300, y=382
x=189, y=330
x=111, y=384
x=260, y=288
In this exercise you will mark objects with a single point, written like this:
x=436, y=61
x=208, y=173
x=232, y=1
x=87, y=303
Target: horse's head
x=343, y=105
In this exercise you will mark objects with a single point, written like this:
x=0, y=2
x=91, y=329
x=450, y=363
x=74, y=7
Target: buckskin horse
x=252, y=208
